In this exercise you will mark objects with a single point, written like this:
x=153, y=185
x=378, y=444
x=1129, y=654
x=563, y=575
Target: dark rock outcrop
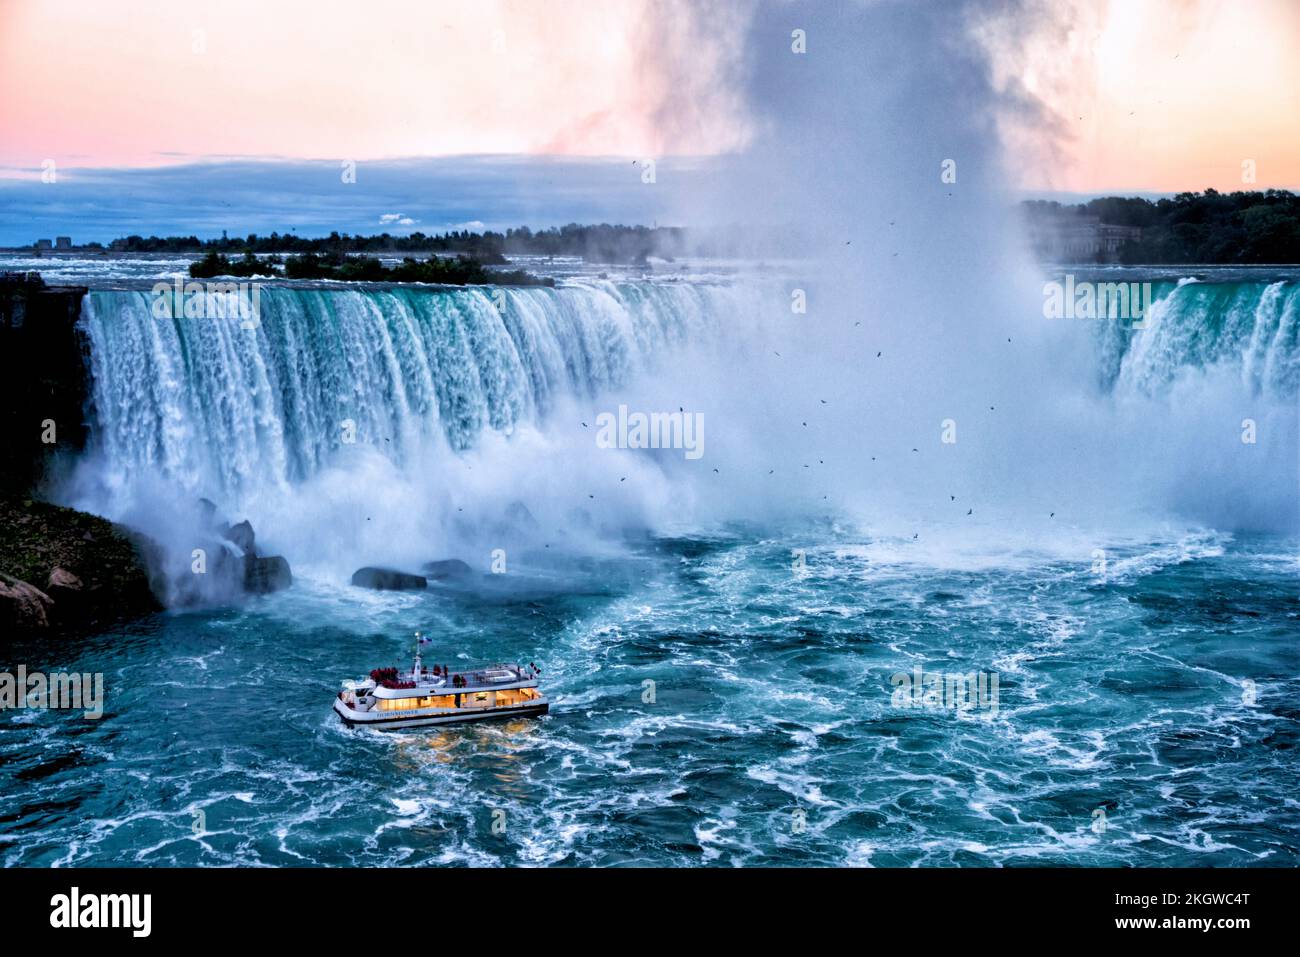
x=43, y=379
x=268, y=574
x=95, y=573
x=66, y=589
x=387, y=579
x=242, y=535
x=448, y=568
x=23, y=607
x=234, y=564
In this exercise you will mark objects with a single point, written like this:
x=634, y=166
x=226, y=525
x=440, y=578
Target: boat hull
x=398, y=722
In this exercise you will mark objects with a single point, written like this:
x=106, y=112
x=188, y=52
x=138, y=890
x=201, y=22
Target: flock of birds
x=804, y=423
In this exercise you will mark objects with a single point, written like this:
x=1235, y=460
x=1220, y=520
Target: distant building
x=62, y=242
x=1071, y=238
x=1111, y=238
x=42, y=244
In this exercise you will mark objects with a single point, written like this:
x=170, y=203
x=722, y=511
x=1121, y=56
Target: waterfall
x=228, y=408
x=1251, y=329
x=357, y=426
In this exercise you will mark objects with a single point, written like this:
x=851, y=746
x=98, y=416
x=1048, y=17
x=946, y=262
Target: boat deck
x=490, y=678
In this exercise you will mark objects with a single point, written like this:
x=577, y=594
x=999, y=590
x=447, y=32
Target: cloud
x=633, y=78
x=308, y=199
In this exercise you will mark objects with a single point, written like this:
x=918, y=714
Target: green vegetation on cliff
x=88, y=570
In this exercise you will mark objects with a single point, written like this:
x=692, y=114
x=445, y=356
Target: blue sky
x=310, y=198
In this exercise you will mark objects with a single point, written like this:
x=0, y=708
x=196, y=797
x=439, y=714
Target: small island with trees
x=458, y=271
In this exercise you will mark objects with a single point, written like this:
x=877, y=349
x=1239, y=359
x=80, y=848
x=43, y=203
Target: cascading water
x=1118, y=556
x=232, y=409
x=337, y=392
x=1252, y=329
x=1122, y=678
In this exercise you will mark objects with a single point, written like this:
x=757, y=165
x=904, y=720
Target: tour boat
x=392, y=700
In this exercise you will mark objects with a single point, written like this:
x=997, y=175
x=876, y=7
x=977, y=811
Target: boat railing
x=438, y=678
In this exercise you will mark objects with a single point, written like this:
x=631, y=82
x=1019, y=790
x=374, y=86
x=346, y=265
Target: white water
x=393, y=426
x=460, y=412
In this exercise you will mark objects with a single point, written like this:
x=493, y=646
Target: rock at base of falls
x=23, y=607
x=242, y=536
x=448, y=568
x=65, y=571
x=267, y=574
x=388, y=579
x=250, y=572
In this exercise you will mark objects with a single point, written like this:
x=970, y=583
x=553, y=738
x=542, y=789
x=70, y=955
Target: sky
x=158, y=116
x=1159, y=96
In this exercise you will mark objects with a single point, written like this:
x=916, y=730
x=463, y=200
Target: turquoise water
x=772, y=737
x=1109, y=552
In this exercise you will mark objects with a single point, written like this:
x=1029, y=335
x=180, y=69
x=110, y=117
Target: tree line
x=1238, y=228
x=599, y=243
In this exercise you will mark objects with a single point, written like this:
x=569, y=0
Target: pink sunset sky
x=1146, y=95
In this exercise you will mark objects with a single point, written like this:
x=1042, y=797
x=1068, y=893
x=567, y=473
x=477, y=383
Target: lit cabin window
x=408, y=704
x=512, y=696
